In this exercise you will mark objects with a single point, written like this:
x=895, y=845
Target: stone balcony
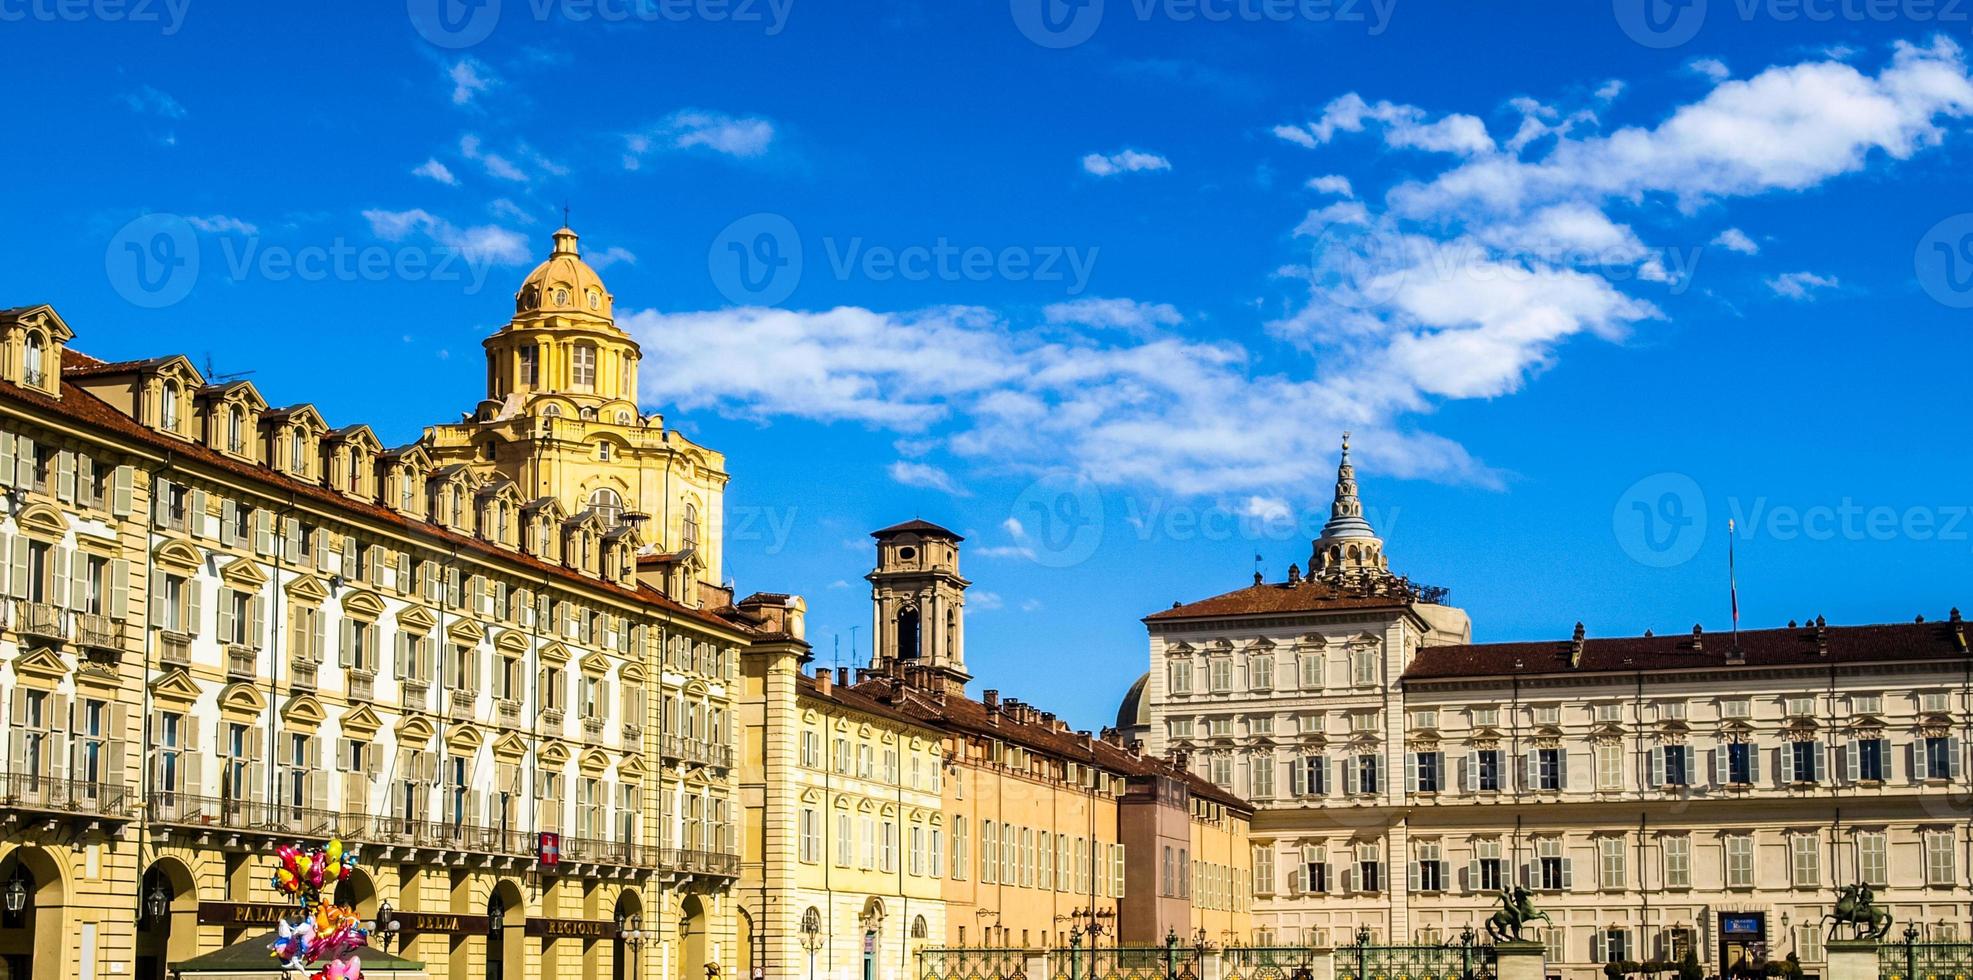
x=174, y=649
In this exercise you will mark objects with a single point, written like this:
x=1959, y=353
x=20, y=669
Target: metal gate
x=1170, y=962
x=1266, y=963
x=974, y=963
x=1445, y=961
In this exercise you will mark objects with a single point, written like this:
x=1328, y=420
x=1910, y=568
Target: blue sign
x=1742, y=924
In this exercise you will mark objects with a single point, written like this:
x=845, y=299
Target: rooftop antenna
x=213, y=376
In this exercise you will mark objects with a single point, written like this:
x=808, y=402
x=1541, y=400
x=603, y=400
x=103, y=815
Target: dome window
x=595, y=300
x=561, y=297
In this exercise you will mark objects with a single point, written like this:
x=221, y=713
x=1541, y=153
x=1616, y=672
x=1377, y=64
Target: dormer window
x=297, y=447
x=561, y=297
x=607, y=505
x=36, y=368
x=235, y=438
x=595, y=300
x=551, y=411
x=168, y=411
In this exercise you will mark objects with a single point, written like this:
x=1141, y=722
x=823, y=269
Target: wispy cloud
x=1404, y=127
x=743, y=137
x=1800, y=286
x=146, y=100
x=432, y=169
x=602, y=259
x=1336, y=184
x=915, y=474
x=222, y=224
x=469, y=78
x=1123, y=162
x=1712, y=69
x=1735, y=240
x=487, y=243
x=1114, y=314
x=521, y=166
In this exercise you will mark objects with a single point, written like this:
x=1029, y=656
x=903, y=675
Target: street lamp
x=156, y=902
x=811, y=936
x=16, y=893
x=385, y=926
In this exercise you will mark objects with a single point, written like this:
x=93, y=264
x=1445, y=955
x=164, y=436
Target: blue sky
x=1099, y=286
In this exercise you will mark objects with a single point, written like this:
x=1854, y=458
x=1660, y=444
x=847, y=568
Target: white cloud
x=1266, y=508
x=506, y=208
x=222, y=224
x=1336, y=184
x=496, y=165
x=469, y=78
x=146, y=100
x=435, y=170
x=1711, y=68
x=601, y=259
x=1608, y=91
x=480, y=243
x=980, y=600
x=1404, y=126
x=1735, y=240
x=743, y=137
x=926, y=475
x=1464, y=283
x=1800, y=286
x=1123, y=162
x=1030, y=605
x=1114, y=314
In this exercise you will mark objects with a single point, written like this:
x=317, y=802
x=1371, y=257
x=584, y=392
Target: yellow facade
x=228, y=625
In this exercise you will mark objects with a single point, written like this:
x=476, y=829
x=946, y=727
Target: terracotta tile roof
x=80, y=406
x=960, y=713
x=858, y=700
x=1308, y=595
x=1946, y=640
x=926, y=528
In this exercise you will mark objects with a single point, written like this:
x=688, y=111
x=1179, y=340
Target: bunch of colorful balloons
x=321, y=932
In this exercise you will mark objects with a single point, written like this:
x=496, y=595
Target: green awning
x=253, y=955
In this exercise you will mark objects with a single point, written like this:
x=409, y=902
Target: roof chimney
x=1294, y=574
x=1698, y=637
x=1821, y=637
x=991, y=698
x=824, y=682
x=842, y=676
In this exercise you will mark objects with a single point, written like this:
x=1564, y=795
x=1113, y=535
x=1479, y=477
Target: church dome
x=1135, y=711
x=564, y=284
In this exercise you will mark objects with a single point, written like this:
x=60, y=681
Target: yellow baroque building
x=496, y=661
x=889, y=813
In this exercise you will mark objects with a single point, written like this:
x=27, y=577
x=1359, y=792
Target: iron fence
x=1442, y=961
x=974, y=963
x=1267, y=963
x=1913, y=960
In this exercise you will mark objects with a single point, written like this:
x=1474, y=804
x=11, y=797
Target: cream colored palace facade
x=496, y=661
x=1656, y=792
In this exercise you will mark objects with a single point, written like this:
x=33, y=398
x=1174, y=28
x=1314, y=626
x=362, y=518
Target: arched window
x=907, y=634
x=37, y=352
x=691, y=526
x=595, y=300
x=297, y=447
x=235, y=419
x=168, y=411
x=551, y=411
x=607, y=504
x=623, y=418
x=919, y=930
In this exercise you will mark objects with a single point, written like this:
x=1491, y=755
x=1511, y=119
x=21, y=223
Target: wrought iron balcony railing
x=47, y=794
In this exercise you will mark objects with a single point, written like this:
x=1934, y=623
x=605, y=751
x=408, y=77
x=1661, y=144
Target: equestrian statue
x=1857, y=907
x=1517, y=909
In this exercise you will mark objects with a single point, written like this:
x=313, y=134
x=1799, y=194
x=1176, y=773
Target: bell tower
x=918, y=602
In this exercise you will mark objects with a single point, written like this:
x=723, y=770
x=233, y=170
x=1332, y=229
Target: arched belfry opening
x=908, y=634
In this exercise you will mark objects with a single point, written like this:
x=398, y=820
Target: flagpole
x=1732, y=585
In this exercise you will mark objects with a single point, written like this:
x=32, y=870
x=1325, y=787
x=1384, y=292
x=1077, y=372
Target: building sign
x=244, y=913
x=548, y=849
x=446, y=922
x=1742, y=925
x=572, y=928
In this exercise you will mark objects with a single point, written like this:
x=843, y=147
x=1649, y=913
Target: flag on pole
x=1732, y=584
